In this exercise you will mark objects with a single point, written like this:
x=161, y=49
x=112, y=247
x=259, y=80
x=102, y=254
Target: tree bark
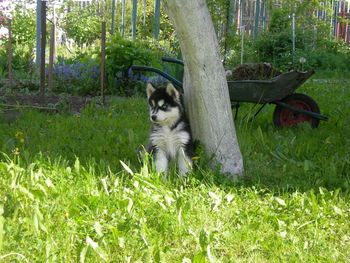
x=206, y=93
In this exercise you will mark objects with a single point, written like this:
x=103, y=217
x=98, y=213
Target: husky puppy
x=170, y=136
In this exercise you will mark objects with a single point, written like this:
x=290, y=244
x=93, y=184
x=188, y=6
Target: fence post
x=293, y=32
x=51, y=58
x=242, y=43
x=113, y=17
x=38, y=33
x=43, y=45
x=123, y=17
x=336, y=24
x=133, y=18
x=103, y=62
x=231, y=16
x=156, y=18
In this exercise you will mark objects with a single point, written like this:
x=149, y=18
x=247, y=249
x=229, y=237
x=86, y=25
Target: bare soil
x=72, y=103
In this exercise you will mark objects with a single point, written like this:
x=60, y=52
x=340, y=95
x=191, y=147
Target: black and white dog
x=170, y=136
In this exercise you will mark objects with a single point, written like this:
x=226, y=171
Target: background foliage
x=82, y=26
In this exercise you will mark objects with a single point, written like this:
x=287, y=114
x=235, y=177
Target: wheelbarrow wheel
x=283, y=117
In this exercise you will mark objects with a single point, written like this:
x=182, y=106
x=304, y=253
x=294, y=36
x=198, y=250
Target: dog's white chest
x=170, y=141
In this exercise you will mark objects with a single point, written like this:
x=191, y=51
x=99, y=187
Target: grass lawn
x=66, y=197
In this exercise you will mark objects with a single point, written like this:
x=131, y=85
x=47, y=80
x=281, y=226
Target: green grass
x=66, y=197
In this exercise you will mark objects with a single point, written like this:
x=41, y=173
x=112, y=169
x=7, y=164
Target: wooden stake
x=52, y=53
x=103, y=62
x=10, y=53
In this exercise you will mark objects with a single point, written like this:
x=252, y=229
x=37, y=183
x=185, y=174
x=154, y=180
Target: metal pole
x=156, y=18
x=264, y=17
x=231, y=15
x=113, y=16
x=257, y=14
x=144, y=12
x=336, y=19
x=134, y=17
x=51, y=58
x=331, y=19
x=242, y=43
x=241, y=13
x=54, y=23
x=38, y=32
x=123, y=17
x=293, y=32
x=103, y=62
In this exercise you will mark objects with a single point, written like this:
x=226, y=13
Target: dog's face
x=164, y=103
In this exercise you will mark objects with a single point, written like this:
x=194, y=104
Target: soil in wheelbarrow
x=253, y=71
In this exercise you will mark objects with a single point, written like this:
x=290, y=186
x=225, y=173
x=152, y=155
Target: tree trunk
x=206, y=93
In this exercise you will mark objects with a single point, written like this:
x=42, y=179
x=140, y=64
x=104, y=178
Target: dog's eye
x=164, y=107
x=151, y=103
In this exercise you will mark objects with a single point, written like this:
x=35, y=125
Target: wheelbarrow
x=291, y=108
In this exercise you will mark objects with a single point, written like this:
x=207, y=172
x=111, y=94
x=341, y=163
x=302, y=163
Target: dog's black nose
x=154, y=117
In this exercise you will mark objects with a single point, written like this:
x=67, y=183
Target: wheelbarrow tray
x=267, y=91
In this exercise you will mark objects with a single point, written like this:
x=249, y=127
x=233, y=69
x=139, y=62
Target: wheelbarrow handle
x=173, y=60
x=160, y=72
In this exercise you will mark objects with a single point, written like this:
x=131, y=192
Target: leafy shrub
x=81, y=75
x=326, y=60
x=233, y=55
x=320, y=50
x=83, y=25
x=22, y=60
x=121, y=54
x=23, y=26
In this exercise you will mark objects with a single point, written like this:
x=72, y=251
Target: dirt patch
x=50, y=101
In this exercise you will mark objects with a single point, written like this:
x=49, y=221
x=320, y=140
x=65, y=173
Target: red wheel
x=283, y=117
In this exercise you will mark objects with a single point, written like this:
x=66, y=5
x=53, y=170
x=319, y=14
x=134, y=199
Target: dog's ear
x=172, y=91
x=150, y=89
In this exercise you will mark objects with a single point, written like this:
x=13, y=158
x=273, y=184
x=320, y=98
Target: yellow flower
x=195, y=157
x=109, y=114
x=22, y=140
x=19, y=134
x=66, y=214
x=16, y=151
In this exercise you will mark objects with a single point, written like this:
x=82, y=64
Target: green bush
x=121, y=54
x=22, y=60
x=83, y=25
x=316, y=46
x=23, y=26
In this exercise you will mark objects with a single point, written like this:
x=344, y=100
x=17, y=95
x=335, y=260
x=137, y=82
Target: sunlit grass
x=67, y=197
